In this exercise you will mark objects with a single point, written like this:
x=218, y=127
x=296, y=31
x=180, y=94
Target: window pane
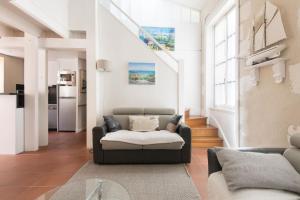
x=220, y=53
x=220, y=74
x=195, y=16
x=231, y=70
x=231, y=47
x=220, y=31
x=231, y=21
x=185, y=15
x=220, y=95
x=231, y=94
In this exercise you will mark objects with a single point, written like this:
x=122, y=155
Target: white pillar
x=31, y=92
x=180, y=92
x=91, y=56
x=43, y=97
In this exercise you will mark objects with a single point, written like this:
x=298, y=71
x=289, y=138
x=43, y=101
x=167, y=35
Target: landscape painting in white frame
x=141, y=73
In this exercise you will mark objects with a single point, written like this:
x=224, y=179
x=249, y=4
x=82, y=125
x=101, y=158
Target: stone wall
x=266, y=110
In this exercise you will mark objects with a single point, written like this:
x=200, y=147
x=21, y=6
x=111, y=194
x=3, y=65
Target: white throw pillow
x=143, y=123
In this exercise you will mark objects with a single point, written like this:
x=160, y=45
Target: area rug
x=145, y=182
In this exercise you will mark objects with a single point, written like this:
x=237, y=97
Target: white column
x=31, y=92
x=180, y=92
x=91, y=56
x=43, y=97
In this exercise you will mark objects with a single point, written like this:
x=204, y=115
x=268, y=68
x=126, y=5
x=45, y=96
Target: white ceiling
x=197, y=4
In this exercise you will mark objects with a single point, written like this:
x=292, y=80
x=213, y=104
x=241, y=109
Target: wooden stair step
x=205, y=131
x=206, y=142
x=196, y=121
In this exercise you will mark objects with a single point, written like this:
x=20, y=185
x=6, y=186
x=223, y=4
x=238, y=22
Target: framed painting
x=141, y=73
x=164, y=35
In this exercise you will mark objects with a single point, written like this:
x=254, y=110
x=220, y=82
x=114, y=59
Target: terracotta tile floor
x=28, y=175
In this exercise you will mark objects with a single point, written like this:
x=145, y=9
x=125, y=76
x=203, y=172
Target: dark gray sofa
x=142, y=156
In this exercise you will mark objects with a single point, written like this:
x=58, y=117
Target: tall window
x=225, y=60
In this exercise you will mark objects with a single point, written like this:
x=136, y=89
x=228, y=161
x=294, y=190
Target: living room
x=194, y=99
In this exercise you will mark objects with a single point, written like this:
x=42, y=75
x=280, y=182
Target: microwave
x=67, y=78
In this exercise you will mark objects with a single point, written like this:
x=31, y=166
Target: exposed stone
x=294, y=74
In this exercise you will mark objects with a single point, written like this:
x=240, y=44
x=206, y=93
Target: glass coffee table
x=90, y=189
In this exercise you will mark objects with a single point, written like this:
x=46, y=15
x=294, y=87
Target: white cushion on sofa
x=217, y=189
x=143, y=123
x=144, y=140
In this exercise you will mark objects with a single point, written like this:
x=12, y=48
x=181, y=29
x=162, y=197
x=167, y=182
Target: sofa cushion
x=173, y=123
x=293, y=156
x=167, y=146
x=128, y=111
x=147, y=140
x=112, y=123
x=163, y=121
x=258, y=170
x=159, y=111
x=143, y=123
x=217, y=190
x=118, y=145
x=295, y=140
x=123, y=120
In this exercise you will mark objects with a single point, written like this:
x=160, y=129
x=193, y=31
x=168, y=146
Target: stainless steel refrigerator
x=67, y=108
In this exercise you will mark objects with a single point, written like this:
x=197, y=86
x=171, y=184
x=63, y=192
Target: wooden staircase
x=203, y=135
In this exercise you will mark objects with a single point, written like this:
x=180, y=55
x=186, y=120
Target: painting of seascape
x=164, y=36
x=141, y=73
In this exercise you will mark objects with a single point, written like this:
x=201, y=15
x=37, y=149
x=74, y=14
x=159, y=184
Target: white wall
x=78, y=22
x=53, y=14
x=160, y=13
x=2, y=74
x=13, y=73
x=188, y=48
x=225, y=121
x=120, y=46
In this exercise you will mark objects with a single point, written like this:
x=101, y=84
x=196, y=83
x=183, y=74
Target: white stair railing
x=162, y=52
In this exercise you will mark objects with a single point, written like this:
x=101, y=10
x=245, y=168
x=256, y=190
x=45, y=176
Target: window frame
x=224, y=17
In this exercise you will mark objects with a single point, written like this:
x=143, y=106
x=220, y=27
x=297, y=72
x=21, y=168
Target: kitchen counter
x=12, y=125
x=8, y=93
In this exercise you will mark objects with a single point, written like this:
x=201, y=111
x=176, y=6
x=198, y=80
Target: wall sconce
x=103, y=65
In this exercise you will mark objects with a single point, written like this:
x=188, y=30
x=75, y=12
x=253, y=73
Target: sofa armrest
x=214, y=165
x=185, y=132
x=98, y=133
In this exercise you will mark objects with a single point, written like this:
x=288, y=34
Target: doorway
x=66, y=91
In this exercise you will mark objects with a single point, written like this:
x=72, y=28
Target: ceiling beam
x=12, y=42
x=62, y=43
x=11, y=19
x=45, y=43
x=19, y=53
